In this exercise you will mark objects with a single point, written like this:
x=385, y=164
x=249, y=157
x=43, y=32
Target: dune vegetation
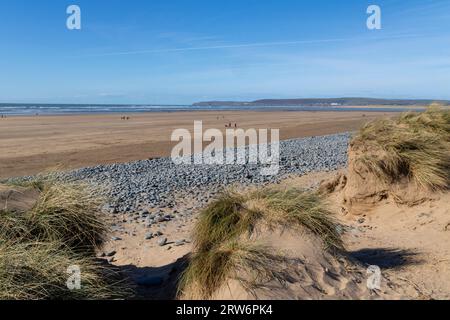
x=414, y=147
x=223, y=242
x=64, y=228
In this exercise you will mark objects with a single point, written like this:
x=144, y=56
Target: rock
x=162, y=242
x=180, y=243
x=160, y=219
x=116, y=239
x=149, y=236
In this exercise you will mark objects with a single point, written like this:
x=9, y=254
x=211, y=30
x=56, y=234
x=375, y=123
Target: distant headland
x=328, y=102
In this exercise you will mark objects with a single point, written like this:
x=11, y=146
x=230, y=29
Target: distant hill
x=325, y=102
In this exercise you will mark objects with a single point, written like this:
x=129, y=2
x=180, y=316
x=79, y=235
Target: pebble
x=180, y=243
x=162, y=242
x=149, y=236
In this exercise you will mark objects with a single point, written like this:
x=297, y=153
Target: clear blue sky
x=180, y=51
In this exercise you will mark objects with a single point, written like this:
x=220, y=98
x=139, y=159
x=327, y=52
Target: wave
x=54, y=109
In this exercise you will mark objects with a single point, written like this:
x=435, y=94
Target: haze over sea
x=67, y=109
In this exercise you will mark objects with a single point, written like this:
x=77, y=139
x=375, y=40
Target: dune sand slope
x=409, y=244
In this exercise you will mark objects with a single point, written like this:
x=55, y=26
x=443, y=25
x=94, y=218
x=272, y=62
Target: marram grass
x=222, y=236
x=68, y=213
x=63, y=229
x=414, y=147
x=38, y=271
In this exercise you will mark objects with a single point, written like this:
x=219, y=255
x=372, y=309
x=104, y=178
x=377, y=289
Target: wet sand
x=33, y=144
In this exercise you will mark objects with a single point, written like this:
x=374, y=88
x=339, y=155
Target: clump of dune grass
x=68, y=213
x=293, y=208
x=64, y=228
x=226, y=218
x=234, y=214
x=37, y=271
x=222, y=234
x=209, y=270
x=414, y=147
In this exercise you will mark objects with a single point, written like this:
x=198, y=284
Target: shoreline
x=187, y=109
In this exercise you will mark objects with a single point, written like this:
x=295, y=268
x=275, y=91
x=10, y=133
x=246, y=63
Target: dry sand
x=33, y=144
x=409, y=244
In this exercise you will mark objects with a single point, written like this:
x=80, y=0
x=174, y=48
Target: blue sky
x=180, y=51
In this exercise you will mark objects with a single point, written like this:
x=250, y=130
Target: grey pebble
x=162, y=242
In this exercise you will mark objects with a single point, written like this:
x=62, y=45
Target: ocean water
x=60, y=109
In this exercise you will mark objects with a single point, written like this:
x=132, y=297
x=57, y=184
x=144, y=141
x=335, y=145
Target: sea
x=67, y=109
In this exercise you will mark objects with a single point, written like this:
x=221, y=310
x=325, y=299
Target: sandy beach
x=33, y=144
x=386, y=237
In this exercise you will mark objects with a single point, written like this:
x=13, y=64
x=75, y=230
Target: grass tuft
x=68, y=213
x=63, y=229
x=36, y=271
x=209, y=270
x=222, y=234
x=293, y=208
x=414, y=147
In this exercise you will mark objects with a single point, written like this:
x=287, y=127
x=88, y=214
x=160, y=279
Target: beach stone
x=149, y=236
x=162, y=242
x=160, y=219
x=180, y=243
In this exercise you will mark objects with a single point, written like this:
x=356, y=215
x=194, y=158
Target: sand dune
x=409, y=244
